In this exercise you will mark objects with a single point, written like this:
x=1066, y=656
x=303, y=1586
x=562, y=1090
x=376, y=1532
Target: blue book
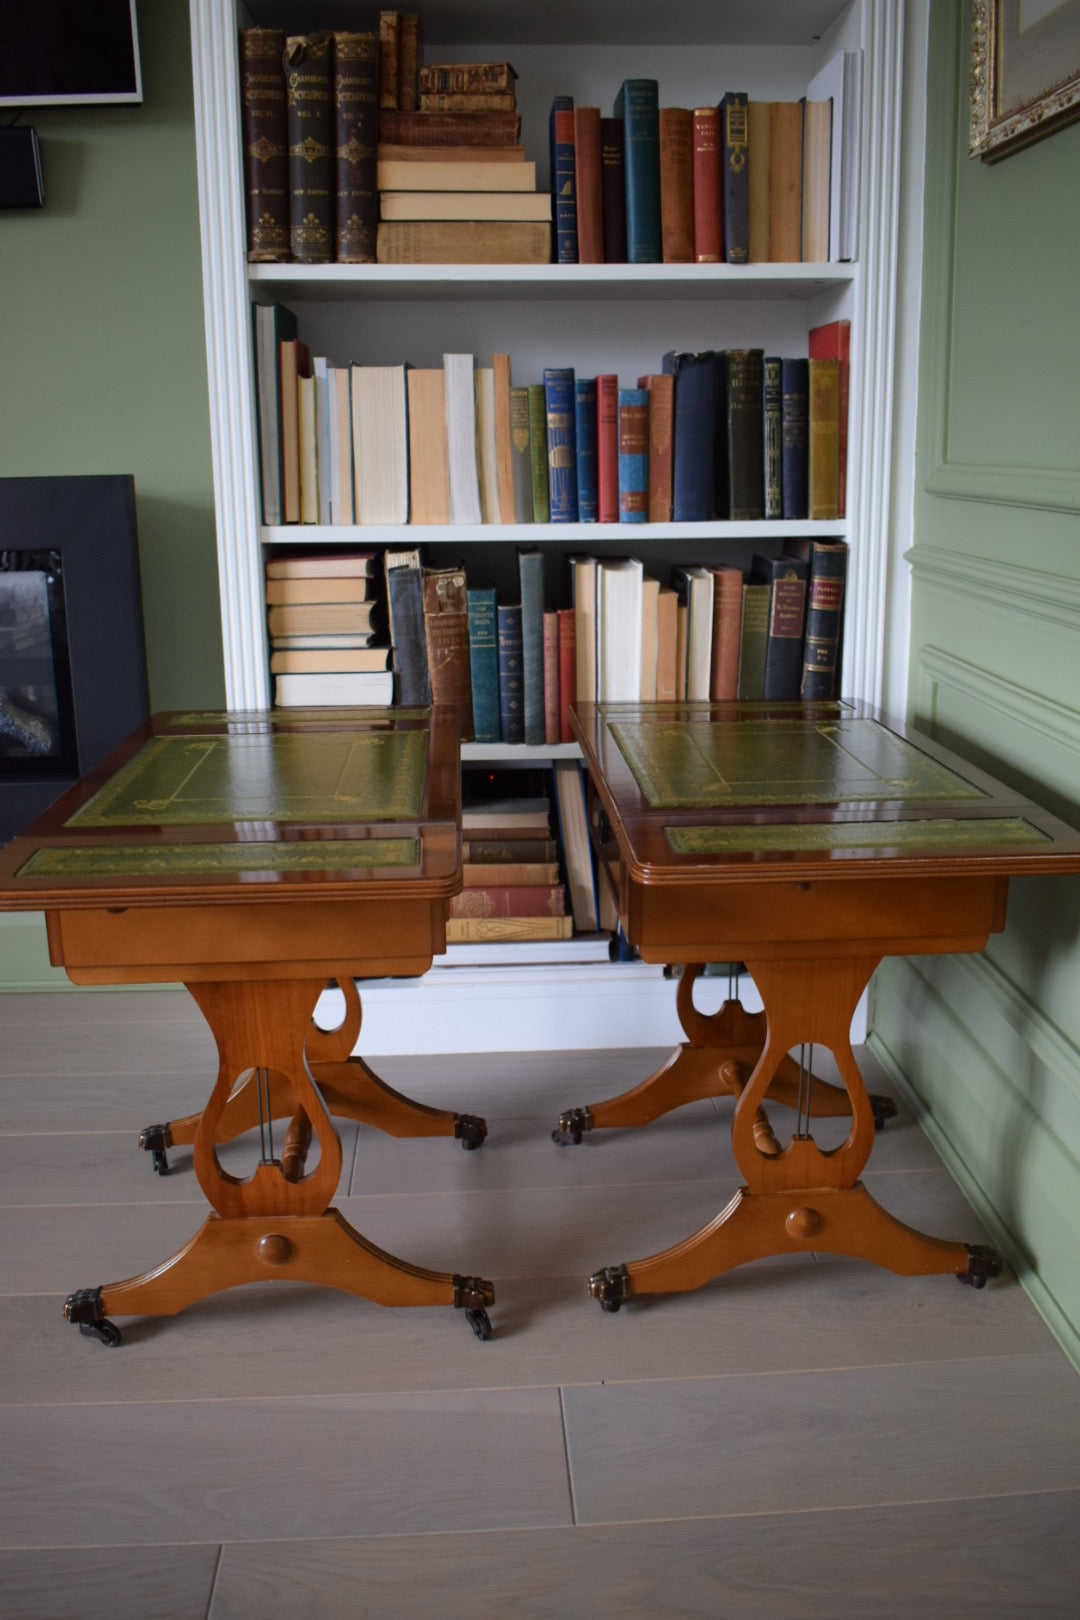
x=696, y=470
x=795, y=437
x=633, y=455
x=484, y=664
x=561, y=456
x=531, y=576
x=563, y=185
x=638, y=105
x=511, y=686
x=588, y=501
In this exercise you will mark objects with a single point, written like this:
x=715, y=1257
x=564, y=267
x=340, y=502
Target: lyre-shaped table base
x=349, y=1088
x=272, y=1225
x=799, y=1197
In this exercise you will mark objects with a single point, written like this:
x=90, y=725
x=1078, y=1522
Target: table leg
x=715, y=1060
x=799, y=1197
x=270, y=1225
x=350, y=1089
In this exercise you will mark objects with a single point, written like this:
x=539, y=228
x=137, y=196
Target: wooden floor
x=806, y=1437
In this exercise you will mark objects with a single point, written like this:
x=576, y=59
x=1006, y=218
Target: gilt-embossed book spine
x=538, y=456
x=736, y=178
x=310, y=113
x=585, y=447
x=484, y=664
x=638, y=105
x=356, y=132
x=389, y=53
x=563, y=181
x=772, y=410
x=745, y=433
x=511, y=680
x=633, y=455
x=446, y=638
x=520, y=459
x=400, y=128
x=408, y=60
x=559, y=405
x=828, y=561
x=832, y=341
x=707, y=183
x=264, y=121
x=786, y=578
x=823, y=454
x=531, y=578
x=613, y=190
x=607, y=448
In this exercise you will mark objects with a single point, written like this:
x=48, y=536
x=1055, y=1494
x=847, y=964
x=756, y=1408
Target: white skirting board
x=523, y=1009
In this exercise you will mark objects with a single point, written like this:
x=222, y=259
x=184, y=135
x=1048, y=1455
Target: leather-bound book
x=511, y=680
x=389, y=57
x=405, y=604
x=661, y=390
x=607, y=448
x=786, y=578
x=727, y=633
x=638, y=105
x=520, y=458
x=309, y=93
x=560, y=410
x=832, y=341
x=585, y=448
x=448, y=129
x=264, y=122
x=484, y=663
x=736, y=180
x=563, y=181
x=772, y=413
x=794, y=436
x=567, y=671
x=676, y=185
x=356, y=134
x=446, y=637
x=408, y=60
x=587, y=186
x=828, y=560
x=538, y=456
x=531, y=579
x=613, y=190
x=698, y=473
x=706, y=163
x=745, y=431
x=823, y=454
x=551, y=676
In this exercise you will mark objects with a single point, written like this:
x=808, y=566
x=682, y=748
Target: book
x=520, y=457
x=264, y=131
x=516, y=855
x=794, y=436
x=511, y=680
x=633, y=455
x=389, y=49
x=315, y=660
x=828, y=564
x=522, y=816
x=322, y=640
x=531, y=581
x=745, y=432
x=727, y=633
x=816, y=164
x=339, y=435
x=408, y=60
x=551, y=676
x=290, y=618
x=583, y=597
x=394, y=152
x=735, y=135
x=786, y=578
x=310, y=123
x=309, y=473
x=707, y=168
x=273, y=324
x=587, y=186
x=563, y=180
x=466, y=78
x=607, y=448
x=285, y=588
x=355, y=97
x=667, y=603
x=510, y=900
x=504, y=449
x=405, y=607
x=538, y=456
x=785, y=181
x=613, y=190
x=320, y=372
x=429, y=475
x=426, y=172
x=449, y=129
x=754, y=635
x=465, y=205
x=494, y=930
x=675, y=144
x=758, y=118
x=823, y=438
x=839, y=82
x=334, y=689
x=650, y=596
x=585, y=448
x=446, y=640
x=567, y=670
x=467, y=101
x=618, y=629
x=697, y=484
x=294, y=361
x=595, y=947
x=638, y=105
x=694, y=585
x=483, y=663
x=463, y=241
x=832, y=341
x=378, y=401
x=772, y=437
x=526, y=872
x=574, y=836
x=660, y=387
x=560, y=412
x=336, y=565
x=487, y=470
x=460, y=394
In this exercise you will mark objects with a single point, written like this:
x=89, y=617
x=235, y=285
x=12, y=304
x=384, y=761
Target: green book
x=753, y=642
x=538, y=457
x=520, y=458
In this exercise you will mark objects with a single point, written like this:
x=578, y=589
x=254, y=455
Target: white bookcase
x=596, y=318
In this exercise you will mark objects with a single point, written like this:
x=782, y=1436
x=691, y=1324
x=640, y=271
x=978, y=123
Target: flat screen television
x=67, y=52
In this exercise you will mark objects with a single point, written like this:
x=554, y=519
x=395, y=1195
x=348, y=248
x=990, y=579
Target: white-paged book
x=458, y=381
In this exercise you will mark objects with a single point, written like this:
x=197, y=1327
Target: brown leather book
x=264, y=122
x=590, y=215
x=707, y=169
x=676, y=185
x=446, y=636
x=785, y=182
x=449, y=128
x=466, y=77
x=408, y=61
x=454, y=101
x=311, y=147
x=356, y=131
x=389, y=56
x=661, y=389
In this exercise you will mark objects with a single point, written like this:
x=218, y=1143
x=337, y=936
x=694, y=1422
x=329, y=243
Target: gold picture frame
x=1025, y=73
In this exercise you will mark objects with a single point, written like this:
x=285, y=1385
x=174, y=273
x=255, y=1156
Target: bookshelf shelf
x=626, y=536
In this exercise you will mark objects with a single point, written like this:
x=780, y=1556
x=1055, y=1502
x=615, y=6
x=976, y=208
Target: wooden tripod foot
x=844, y=1220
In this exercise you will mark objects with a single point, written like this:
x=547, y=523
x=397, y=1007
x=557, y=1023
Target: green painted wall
x=105, y=361
x=989, y=1046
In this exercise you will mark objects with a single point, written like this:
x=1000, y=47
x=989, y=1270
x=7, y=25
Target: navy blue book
x=735, y=168
x=511, y=684
x=638, y=105
x=613, y=190
x=828, y=561
x=563, y=185
x=795, y=437
x=633, y=455
x=698, y=475
x=531, y=575
x=484, y=664
x=786, y=578
x=772, y=394
x=561, y=456
x=588, y=500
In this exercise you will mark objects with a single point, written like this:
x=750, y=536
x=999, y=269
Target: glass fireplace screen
x=37, y=726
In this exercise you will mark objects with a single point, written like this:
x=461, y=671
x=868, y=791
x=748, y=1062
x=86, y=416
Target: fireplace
x=72, y=658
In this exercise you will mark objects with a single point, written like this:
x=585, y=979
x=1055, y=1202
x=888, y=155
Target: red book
x=511, y=900
x=833, y=342
x=607, y=448
x=567, y=671
x=708, y=168
x=676, y=186
x=661, y=386
x=727, y=633
x=590, y=217
x=551, y=677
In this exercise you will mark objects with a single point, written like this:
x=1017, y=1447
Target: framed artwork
x=1025, y=73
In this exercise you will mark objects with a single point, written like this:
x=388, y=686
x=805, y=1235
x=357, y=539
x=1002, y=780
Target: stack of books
x=512, y=885
x=321, y=617
x=454, y=184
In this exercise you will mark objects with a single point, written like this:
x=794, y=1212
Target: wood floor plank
x=123, y=1583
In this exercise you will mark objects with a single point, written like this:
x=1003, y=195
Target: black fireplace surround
x=72, y=654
